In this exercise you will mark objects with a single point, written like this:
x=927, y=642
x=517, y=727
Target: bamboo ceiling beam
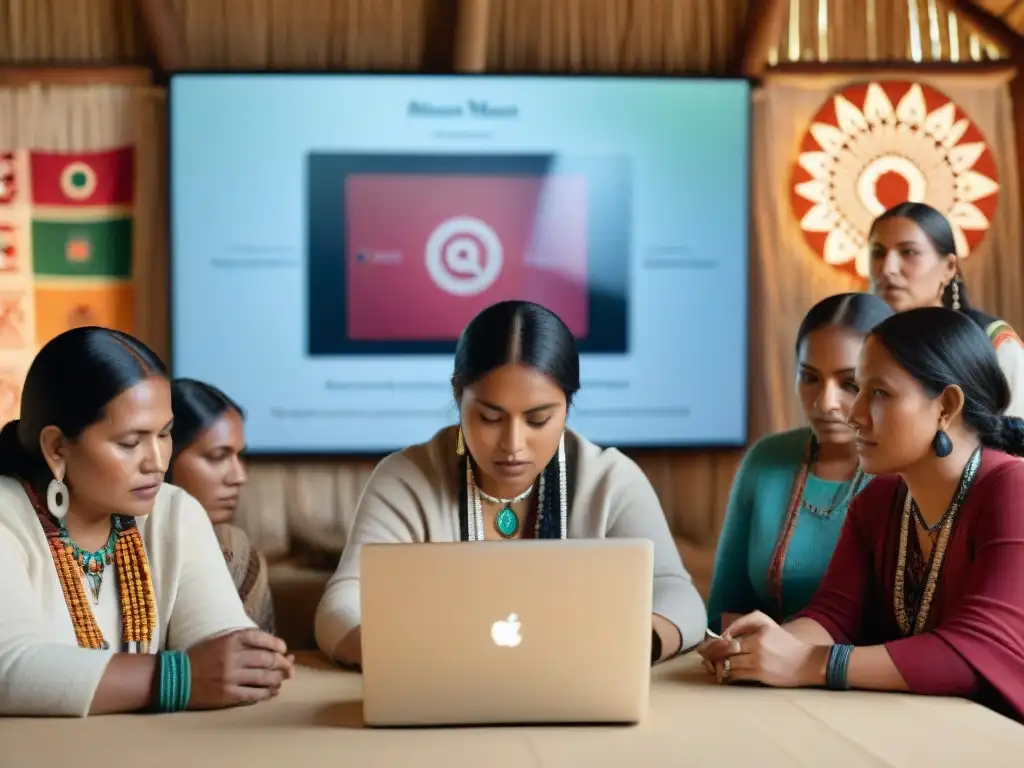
x=990, y=26
x=762, y=30
x=472, y=20
x=23, y=76
x=162, y=30
x=873, y=68
x=1009, y=12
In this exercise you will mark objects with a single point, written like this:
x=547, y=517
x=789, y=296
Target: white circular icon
x=78, y=180
x=464, y=256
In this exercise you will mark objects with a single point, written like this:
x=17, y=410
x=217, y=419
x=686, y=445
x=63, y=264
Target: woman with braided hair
x=913, y=263
x=116, y=597
x=511, y=469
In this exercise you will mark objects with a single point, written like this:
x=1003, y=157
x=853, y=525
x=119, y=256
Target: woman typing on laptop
x=511, y=470
x=925, y=591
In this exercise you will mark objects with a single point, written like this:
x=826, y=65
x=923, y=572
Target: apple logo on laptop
x=505, y=633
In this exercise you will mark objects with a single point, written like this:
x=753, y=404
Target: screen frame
x=634, y=448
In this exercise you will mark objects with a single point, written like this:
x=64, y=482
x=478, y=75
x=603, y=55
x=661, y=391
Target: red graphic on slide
x=426, y=253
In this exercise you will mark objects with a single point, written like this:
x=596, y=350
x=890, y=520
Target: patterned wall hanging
x=873, y=145
x=65, y=252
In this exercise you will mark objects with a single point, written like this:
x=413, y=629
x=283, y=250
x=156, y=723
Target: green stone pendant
x=507, y=522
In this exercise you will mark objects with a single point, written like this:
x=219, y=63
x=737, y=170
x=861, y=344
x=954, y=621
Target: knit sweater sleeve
x=38, y=677
x=43, y=677
x=636, y=513
x=206, y=604
x=394, y=506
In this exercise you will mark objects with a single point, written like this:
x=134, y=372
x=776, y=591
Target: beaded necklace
x=796, y=504
x=914, y=622
x=138, y=605
x=93, y=564
x=506, y=522
x=474, y=517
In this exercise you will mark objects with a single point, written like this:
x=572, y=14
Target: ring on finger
x=726, y=670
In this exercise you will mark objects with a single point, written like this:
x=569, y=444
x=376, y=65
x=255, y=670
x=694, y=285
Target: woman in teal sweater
x=790, y=494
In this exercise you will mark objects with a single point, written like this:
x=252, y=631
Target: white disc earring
x=57, y=498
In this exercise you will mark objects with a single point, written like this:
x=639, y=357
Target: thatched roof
x=523, y=35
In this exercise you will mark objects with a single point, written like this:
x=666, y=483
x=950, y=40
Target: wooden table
x=317, y=721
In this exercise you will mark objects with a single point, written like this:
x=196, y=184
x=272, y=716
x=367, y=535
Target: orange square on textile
x=62, y=307
x=16, y=319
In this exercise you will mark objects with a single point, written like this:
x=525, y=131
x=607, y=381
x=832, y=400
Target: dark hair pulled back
x=856, y=312
x=68, y=385
x=939, y=232
x=196, y=405
x=942, y=348
x=532, y=335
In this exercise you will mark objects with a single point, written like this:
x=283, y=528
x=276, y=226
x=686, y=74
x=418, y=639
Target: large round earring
x=941, y=444
x=57, y=498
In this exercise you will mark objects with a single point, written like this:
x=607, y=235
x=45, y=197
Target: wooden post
x=1000, y=33
x=762, y=30
x=163, y=33
x=471, y=28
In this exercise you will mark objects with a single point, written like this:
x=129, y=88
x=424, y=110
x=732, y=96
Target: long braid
x=549, y=504
x=464, y=511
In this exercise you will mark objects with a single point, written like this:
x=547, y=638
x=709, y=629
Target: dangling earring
x=57, y=497
x=956, y=292
x=460, y=445
x=941, y=444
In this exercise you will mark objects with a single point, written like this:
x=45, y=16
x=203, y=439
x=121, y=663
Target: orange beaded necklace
x=138, y=605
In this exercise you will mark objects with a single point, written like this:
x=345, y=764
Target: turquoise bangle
x=186, y=681
x=836, y=669
x=175, y=681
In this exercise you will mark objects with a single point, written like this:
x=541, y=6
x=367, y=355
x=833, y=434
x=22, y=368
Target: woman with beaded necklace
x=790, y=494
x=116, y=597
x=510, y=470
x=924, y=592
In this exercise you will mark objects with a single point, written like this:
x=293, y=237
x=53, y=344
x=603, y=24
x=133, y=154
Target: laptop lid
x=506, y=632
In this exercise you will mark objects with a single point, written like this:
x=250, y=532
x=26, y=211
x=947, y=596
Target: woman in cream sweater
x=116, y=596
x=511, y=470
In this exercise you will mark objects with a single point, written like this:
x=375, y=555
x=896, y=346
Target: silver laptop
x=473, y=633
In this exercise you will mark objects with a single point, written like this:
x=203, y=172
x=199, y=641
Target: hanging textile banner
x=65, y=252
x=873, y=145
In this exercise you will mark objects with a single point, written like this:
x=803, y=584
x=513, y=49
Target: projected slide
x=405, y=249
x=331, y=236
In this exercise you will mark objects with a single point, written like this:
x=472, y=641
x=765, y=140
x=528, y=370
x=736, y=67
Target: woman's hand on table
x=754, y=648
x=714, y=650
x=240, y=668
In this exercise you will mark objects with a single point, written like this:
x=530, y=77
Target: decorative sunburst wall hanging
x=874, y=145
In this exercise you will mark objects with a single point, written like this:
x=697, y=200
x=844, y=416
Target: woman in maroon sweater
x=925, y=591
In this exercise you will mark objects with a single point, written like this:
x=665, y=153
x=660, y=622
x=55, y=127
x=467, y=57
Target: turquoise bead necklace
x=93, y=564
x=507, y=521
